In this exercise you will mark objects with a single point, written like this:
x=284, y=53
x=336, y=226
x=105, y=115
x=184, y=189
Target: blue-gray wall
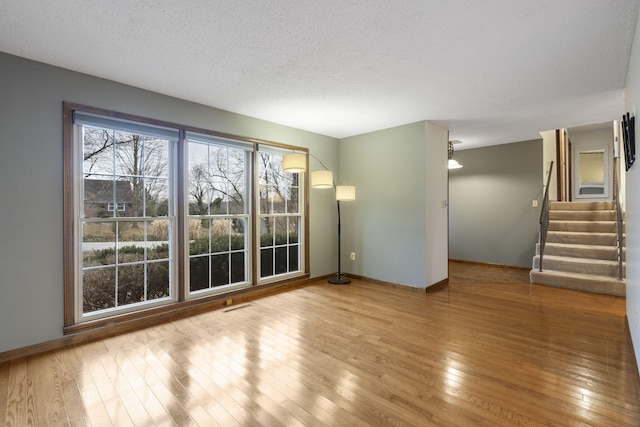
x=491, y=217
x=31, y=183
x=393, y=228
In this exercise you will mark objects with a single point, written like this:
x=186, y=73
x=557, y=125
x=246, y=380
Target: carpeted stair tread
x=579, y=281
x=582, y=237
x=599, y=267
x=583, y=226
x=582, y=206
x=602, y=215
x=605, y=252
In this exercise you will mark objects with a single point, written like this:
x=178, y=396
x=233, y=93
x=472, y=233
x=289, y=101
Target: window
x=158, y=214
x=126, y=255
x=120, y=207
x=279, y=217
x=218, y=212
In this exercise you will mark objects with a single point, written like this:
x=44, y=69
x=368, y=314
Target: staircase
x=581, y=250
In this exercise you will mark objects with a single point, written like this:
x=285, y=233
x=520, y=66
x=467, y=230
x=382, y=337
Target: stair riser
x=583, y=226
x=608, y=253
x=582, y=206
x=608, y=287
x=582, y=215
x=608, y=270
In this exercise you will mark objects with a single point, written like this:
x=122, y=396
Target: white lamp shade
x=294, y=163
x=345, y=192
x=453, y=164
x=322, y=179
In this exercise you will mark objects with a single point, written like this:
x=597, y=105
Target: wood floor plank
x=488, y=349
x=95, y=407
x=296, y=394
x=100, y=389
x=295, y=352
x=329, y=365
x=69, y=368
x=181, y=406
x=121, y=402
x=183, y=365
x=297, y=361
x=33, y=403
x=151, y=388
x=74, y=406
x=45, y=392
x=16, y=406
x=363, y=369
x=4, y=391
x=225, y=373
x=136, y=375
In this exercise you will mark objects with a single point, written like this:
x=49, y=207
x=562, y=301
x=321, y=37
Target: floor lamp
x=296, y=163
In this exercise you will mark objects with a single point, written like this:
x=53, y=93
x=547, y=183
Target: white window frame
x=267, y=149
x=80, y=220
x=217, y=141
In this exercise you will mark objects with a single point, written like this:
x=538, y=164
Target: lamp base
x=339, y=279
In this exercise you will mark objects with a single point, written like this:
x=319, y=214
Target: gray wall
x=31, y=183
x=387, y=225
x=491, y=218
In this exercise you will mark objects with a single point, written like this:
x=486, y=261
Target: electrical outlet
x=534, y=203
x=353, y=256
x=228, y=302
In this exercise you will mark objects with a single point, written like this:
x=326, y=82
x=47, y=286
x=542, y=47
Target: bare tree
x=98, y=145
x=198, y=189
x=275, y=190
x=220, y=178
x=141, y=161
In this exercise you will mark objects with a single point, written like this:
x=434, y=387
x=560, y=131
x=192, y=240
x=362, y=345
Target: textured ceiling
x=492, y=71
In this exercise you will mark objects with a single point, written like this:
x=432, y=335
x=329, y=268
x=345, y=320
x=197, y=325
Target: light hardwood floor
x=470, y=353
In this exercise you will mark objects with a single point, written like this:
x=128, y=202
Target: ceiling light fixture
x=452, y=163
